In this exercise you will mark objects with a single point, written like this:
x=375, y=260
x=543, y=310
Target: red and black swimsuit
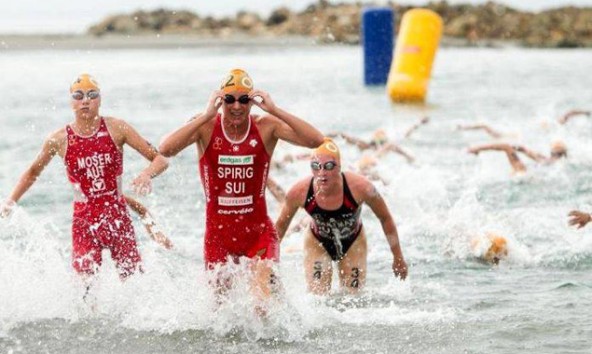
x=337, y=229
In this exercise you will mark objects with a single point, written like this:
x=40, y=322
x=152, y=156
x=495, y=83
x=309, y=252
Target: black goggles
x=327, y=166
x=79, y=95
x=230, y=99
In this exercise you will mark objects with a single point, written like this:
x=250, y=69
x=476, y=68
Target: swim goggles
x=79, y=95
x=230, y=99
x=327, y=166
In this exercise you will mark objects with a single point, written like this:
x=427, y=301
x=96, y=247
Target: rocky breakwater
x=326, y=22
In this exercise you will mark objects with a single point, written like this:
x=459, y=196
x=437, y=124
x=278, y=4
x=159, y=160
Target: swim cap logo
x=331, y=147
x=246, y=82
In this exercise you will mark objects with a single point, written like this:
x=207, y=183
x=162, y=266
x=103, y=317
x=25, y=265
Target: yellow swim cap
x=498, y=248
x=237, y=80
x=328, y=147
x=379, y=137
x=84, y=82
x=559, y=149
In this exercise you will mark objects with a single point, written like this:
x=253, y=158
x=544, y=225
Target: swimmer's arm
x=294, y=199
x=28, y=178
x=486, y=128
x=380, y=209
x=414, y=127
x=188, y=134
x=276, y=190
x=396, y=149
x=158, y=163
x=361, y=144
x=292, y=129
x=490, y=147
x=567, y=116
x=155, y=233
x=535, y=156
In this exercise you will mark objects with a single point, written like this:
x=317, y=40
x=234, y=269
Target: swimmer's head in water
x=84, y=83
x=237, y=80
x=328, y=147
x=366, y=162
x=379, y=137
x=497, y=250
x=558, y=149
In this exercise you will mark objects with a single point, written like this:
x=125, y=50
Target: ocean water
x=539, y=300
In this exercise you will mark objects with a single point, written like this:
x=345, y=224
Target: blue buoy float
x=378, y=42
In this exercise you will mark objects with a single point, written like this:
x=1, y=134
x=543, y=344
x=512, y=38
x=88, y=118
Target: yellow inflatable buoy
x=417, y=42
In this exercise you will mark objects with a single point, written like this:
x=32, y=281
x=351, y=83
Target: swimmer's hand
x=214, y=103
x=474, y=150
x=155, y=233
x=142, y=184
x=264, y=101
x=400, y=268
x=579, y=218
x=6, y=208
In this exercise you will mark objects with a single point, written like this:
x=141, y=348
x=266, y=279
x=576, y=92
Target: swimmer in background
x=380, y=142
x=147, y=220
x=491, y=249
x=334, y=201
x=573, y=113
x=558, y=151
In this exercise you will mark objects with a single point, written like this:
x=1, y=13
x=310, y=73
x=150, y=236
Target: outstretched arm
x=579, y=218
x=352, y=140
x=28, y=178
x=486, y=128
x=294, y=129
x=567, y=116
x=530, y=154
x=510, y=151
x=154, y=231
x=375, y=201
x=414, y=127
x=391, y=147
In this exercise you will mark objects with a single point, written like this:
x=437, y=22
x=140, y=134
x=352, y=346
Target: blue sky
x=66, y=16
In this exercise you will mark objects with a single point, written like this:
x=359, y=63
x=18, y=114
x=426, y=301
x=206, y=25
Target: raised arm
x=486, y=128
x=391, y=147
x=567, y=116
x=377, y=204
x=510, y=151
x=416, y=126
x=188, y=134
x=352, y=140
x=28, y=178
x=294, y=129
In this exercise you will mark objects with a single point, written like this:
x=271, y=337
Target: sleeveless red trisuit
x=94, y=165
x=233, y=175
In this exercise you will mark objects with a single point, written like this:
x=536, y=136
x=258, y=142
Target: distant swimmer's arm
x=396, y=149
x=142, y=183
x=579, y=218
x=28, y=178
x=295, y=130
x=188, y=134
x=352, y=140
x=155, y=233
x=276, y=190
x=490, y=147
x=414, y=127
x=567, y=116
x=294, y=200
x=377, y=204
x=486, y=128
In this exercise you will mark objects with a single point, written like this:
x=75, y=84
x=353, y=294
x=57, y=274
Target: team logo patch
x=253, y=142
x=218, y=143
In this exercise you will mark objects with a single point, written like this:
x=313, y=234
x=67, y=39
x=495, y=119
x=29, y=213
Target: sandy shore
x=86, y=42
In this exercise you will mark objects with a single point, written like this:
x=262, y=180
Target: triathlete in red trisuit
x=92, y=151
x=235, y=149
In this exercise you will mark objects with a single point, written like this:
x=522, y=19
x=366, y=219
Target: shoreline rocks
x=465, y=25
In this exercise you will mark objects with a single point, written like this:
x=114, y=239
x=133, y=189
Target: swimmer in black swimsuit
x=334, y=201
